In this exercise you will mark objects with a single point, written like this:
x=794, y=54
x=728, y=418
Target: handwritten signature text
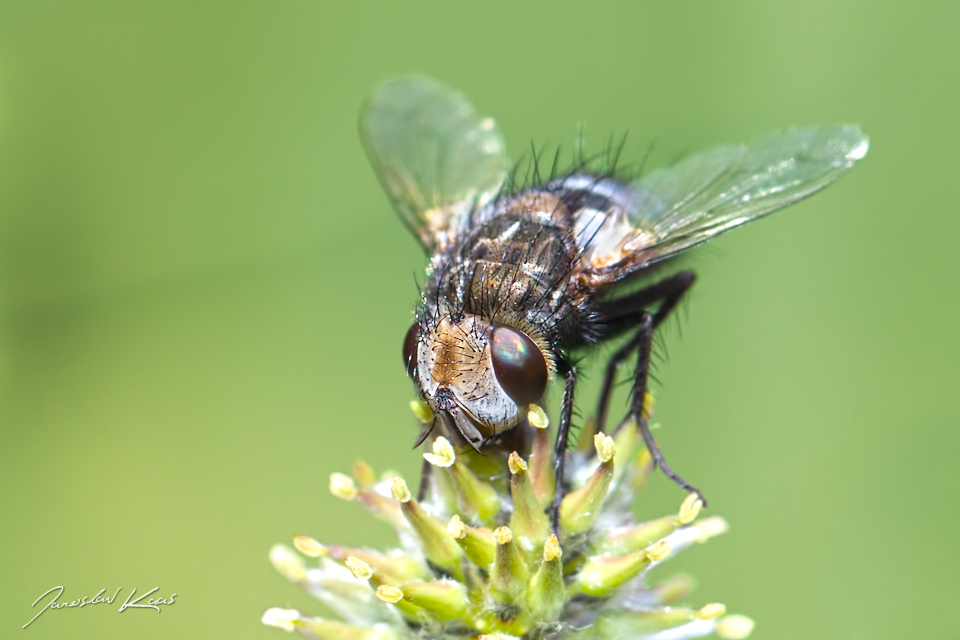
x=152, y=603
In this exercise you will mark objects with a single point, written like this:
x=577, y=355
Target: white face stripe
x=456, y=356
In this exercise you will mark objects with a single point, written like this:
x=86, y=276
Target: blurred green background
x=203, y=294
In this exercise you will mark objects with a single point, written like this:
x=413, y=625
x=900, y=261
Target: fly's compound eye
x=410, y=348
x=518, y=364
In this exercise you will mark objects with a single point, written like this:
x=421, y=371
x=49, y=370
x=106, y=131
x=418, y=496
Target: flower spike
x=478, y=556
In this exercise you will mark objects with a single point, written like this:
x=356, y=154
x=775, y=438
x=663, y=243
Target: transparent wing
x=436, y=158
x=679, y=207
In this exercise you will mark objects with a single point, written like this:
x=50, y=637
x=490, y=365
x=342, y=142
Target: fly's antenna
x=425, y=433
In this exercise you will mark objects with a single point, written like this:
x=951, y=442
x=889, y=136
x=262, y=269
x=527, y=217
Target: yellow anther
x=309, y=547
x=503, y=535
x=711, y=611
x=659, y=551
x=399, y=489
x=456, y=528
x=289, y=564
x=443, y=455
x=605, y=447
x=392, y=595
x=551, y=549
x=358, y=568
x=343, y=486
x=734, y=627
x=282, y=618
x=516, y=463
x=363, y=474
x=537, y=417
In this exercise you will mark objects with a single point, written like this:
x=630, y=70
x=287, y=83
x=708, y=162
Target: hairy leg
x=628, y=312
x=560, y=451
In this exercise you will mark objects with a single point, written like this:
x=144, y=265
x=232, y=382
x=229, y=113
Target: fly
x=519, y=278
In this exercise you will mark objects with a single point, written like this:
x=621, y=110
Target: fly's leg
x=426, y=474
x=560, y=451
x=644, y=343
x=630, y=311
x=609, y=377
x=627, y=312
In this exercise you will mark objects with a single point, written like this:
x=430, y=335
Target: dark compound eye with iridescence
x=518, y=364
x=410, y=348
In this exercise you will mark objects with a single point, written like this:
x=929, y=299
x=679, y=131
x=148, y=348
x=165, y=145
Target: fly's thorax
x=481, y=374
x=514, y=267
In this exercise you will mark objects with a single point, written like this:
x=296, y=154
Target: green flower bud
x=509, y=574
x=437, y=545
x=446, y=599
x=528, y=521
x=547, y=595
x=478, y=544
x=600, y=575
x=580, y=509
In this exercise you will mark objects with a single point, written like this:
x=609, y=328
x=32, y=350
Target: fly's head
x=478, y=376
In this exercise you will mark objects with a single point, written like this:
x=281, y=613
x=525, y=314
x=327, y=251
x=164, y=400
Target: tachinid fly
x=521, y=277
